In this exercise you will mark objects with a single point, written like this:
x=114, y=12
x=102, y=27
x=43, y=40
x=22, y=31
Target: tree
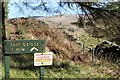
x=6, y=9
x=100, y=19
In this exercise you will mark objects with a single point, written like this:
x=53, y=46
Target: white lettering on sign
x=23, y=44
x=18, y=49
x=43, y=59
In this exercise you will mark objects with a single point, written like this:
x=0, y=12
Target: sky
x=15, y=11
x=19, y=10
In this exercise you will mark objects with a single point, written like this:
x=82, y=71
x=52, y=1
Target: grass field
x=66, y=69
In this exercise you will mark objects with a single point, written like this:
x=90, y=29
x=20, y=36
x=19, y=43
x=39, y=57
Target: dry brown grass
x=59, y=44
x=56, y=40
x=27, y=22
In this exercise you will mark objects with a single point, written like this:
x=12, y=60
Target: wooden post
x=41, y=73
x=7, y=67
x=83, y=47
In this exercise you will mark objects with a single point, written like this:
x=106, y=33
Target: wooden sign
x=24, y=46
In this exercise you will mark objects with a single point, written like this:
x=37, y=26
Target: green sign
x=24, y=46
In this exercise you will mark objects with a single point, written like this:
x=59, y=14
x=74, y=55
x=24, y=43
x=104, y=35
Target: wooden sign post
x=22, y=47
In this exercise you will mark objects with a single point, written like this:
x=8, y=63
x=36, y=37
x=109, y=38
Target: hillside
x=57, y=41
x=70, y=46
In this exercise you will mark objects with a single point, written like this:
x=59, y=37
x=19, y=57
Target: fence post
x=83, y=47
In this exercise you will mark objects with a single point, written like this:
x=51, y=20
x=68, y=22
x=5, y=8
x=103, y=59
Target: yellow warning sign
x=43, y=59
